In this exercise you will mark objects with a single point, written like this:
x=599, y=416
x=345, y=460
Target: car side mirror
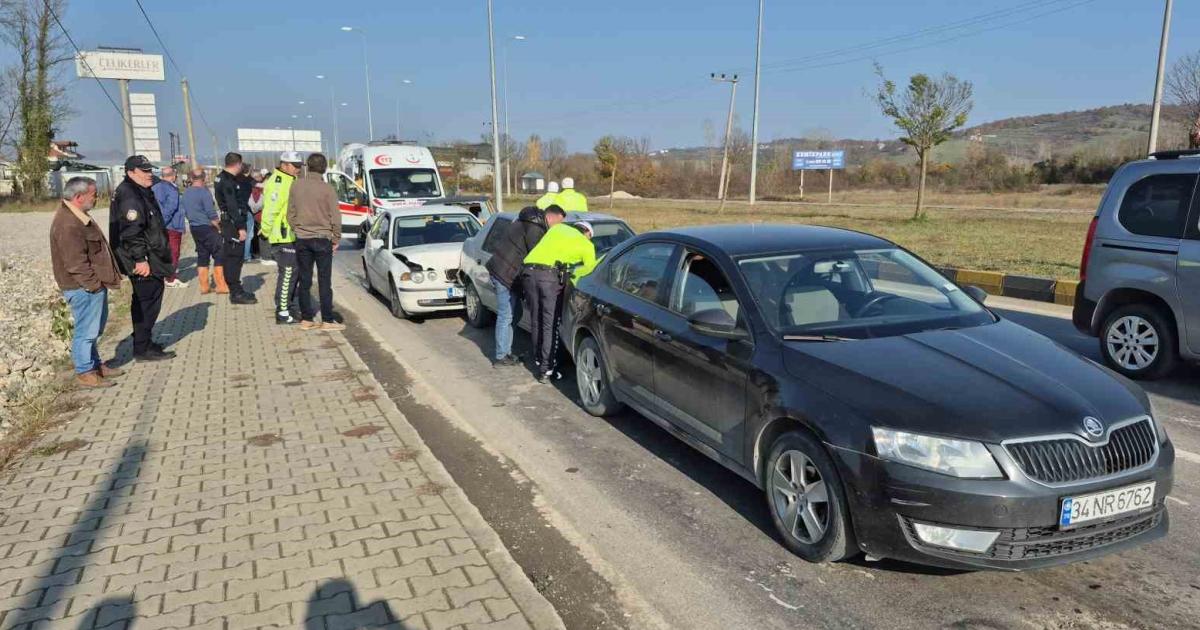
x=975, y=292
x=375, y=243
x=715, y=322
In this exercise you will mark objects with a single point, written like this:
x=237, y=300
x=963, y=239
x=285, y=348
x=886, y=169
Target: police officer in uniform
x=234, y=209
x=140, y=245
x=278, y=230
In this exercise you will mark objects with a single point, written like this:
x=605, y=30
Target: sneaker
x=242, y=298
x=269, y=263
x=92, y=380
x=506, y=361
x=175, y=284
x=308, y=325
x=545, y=377
x=332, y=326
x=153, y=354
x=286, y=318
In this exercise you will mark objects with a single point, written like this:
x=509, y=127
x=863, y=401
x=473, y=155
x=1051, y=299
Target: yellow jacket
x=546, y=200
x=565, y=244
x=571, y=200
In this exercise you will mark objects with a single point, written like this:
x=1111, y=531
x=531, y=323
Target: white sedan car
x=411, y=256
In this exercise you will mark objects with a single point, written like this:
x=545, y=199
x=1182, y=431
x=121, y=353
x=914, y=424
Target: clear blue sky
x=631, y=67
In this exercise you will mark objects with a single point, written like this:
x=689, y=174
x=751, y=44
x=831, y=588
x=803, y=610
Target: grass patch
x=41, y=411
x=14, y=204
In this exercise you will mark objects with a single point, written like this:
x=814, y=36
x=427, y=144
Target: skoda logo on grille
x=1093, y=427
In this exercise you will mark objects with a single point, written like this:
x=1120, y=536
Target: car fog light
x=972, y=540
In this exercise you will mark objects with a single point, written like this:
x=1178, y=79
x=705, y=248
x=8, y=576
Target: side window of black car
x=499, y=226
x=703, y=287
x=642, y=270
x=1157, y=205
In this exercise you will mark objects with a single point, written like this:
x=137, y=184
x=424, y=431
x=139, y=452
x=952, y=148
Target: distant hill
x=1117, y=130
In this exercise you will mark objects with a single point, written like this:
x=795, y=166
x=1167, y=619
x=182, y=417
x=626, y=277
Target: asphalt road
x=683, y=543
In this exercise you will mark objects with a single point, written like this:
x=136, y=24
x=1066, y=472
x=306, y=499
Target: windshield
x=404, y=183
x=608, y=234
x=857, y=294
x=433, y=228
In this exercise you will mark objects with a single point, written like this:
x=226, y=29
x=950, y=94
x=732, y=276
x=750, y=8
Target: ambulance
x=379, y=176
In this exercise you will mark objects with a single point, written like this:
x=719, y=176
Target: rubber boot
x=219, y=276
x=202, y=278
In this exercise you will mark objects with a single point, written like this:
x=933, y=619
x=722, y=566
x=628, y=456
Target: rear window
x=1157, y=205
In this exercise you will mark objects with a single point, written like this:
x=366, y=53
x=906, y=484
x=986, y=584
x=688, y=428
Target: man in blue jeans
x=504, y=267
x=85, y=270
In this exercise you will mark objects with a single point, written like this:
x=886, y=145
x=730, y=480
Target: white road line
x=1179, y=501
x=1187, y=456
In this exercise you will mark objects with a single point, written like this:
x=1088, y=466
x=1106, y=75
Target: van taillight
x=1087, y=249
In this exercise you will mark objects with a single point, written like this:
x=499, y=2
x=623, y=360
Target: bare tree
x=927, y=111
x=554, y=157
x=1183, y=86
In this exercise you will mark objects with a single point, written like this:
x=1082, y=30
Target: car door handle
x=603, y=309
x=478, y=261
x=662, y=335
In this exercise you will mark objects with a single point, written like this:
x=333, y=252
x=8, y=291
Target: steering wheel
x=878, y=299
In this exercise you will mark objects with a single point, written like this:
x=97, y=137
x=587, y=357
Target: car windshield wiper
x=817, y=338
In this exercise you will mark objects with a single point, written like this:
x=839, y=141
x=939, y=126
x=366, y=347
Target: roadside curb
x=1015, y=286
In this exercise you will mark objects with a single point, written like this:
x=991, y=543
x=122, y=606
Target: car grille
x=1068, y=460
x=451, y=275
x=1031, y=543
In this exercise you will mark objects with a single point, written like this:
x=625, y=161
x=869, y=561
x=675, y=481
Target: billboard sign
x=818, y=160
x=305, y=140
x=119, y=64
x=145, y=126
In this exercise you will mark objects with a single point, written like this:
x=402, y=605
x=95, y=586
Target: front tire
x=591, y=377
x=1138, y=341
x=476, y=314
x=806, y=500
x=397, y=309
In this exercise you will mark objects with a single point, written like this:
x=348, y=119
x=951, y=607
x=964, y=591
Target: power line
x=120, y=112
x=171, y=58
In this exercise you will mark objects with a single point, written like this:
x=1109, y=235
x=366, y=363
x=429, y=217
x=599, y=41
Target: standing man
x=205, y=225
x=548, y=199
x=166, y=193
x=139, y=238
x=234, y=208
x=504, y=267
x=570, y=200
x=245, y=190
x=547, y=270
x=85, y=270
x=279, y=234
x=314, y=215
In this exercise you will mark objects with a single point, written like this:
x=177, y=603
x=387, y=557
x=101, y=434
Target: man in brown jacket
x=85, y=270
x=314, y=216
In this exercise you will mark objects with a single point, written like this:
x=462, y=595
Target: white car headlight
x=418, y=277
x=957, y=458
x=431, y=275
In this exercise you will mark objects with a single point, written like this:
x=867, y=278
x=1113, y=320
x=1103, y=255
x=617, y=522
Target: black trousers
x=208, y=245
x=543, y=300
x=286, y=278
x=147, y=303
x=320, y=252
x=233, y=255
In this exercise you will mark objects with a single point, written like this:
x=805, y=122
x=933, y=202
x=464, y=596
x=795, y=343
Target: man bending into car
x=565, y=252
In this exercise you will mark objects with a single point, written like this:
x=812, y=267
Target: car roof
x=744, y=239
x=437, y=208
x=573, y=216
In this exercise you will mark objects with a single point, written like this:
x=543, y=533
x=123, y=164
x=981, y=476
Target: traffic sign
x=818, y=160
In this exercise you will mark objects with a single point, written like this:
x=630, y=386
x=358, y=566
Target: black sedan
x=882, y=408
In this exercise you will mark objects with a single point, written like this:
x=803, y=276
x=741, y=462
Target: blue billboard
x=818, y=160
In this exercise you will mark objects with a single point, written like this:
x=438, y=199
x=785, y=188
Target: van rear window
x=1157, y=205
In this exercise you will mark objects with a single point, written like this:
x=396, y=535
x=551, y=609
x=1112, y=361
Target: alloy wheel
x=1132, y=342
x=801, y=497
x=472, y=303
x=590, y=376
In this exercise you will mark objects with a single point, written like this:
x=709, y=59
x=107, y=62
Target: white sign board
x=113, y=64
x=305, y=140
x=145, y=126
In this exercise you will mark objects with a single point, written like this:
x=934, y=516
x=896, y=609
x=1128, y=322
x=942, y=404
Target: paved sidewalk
x=271, y=483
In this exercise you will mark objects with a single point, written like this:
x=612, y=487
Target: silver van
x=1139, y=280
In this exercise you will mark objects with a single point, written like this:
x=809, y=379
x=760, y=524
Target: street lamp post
x=496, y=190
x=367, y=73
x=507, y=135
x=402, y=82
x=1158, y=80
x=333, y=113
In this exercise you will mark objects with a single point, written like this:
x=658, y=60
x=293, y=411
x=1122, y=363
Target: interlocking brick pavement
x=228, y=488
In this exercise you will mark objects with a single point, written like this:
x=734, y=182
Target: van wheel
x=477, y=315
x=1139, y=342
x=807, y=503
x=397, y=310
x=591, y=376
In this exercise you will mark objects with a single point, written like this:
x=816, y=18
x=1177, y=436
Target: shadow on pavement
x=192, y=318
x=335, y=604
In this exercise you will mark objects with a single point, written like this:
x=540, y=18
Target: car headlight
x=431, y=275
x=958, y=458
x=418, y=277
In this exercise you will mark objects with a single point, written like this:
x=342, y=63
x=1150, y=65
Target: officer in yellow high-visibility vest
x=278, y=230
x=570, y=200
x=548, y=199
x=547, y=268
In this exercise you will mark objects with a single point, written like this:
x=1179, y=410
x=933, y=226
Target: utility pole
x=496, y=168
x=722, y=182
x=1158, y=81
x=754, y=124
x=123, y=84
x=187, y=116
x=217, y=163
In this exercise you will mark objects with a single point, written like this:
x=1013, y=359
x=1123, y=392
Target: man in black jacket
x=140, y=245
x=234, y=208
x=505, y=269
